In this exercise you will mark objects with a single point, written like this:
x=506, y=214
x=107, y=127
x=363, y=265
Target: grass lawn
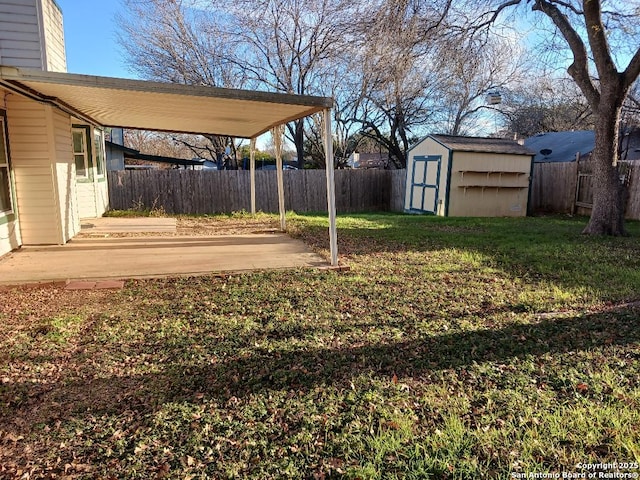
x=454, y=348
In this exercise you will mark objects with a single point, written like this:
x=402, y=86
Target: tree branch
x=598, y=40
x=632, y=71
x=496, y=13
x=579, y=69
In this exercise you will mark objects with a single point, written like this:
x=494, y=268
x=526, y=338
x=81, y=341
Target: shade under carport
x=118, y=102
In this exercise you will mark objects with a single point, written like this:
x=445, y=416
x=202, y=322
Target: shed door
x=425, y=180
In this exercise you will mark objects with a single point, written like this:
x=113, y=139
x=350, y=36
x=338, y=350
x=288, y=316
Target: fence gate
x=584, y=182
x=425, y=180
x=584, y=189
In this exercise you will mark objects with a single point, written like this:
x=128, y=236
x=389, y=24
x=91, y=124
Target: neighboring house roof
x=136, y=155
x=482, y=144
x=563, y=146
x=162, y=106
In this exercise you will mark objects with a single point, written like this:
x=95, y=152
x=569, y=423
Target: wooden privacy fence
x=553, y=190
x=553, y=187
x=205, y=191
x=565, y=188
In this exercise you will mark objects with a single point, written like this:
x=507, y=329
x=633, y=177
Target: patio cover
x=118, y=102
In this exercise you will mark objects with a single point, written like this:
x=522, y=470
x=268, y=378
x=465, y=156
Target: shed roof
x=563, y=146
x=148, y=105
x=482, y=144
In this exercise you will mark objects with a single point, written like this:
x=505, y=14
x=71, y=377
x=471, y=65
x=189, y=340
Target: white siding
x=53, y=37
x=64, y=171
x=102, y=187
x=29, y=140
x=9, y=236
x=9, y=225
x=93, y=198
x=102, y=199
x=87, y=200
x=93, y=194
x=20, y=38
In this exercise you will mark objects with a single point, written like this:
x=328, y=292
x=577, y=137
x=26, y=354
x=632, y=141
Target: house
x=52, y=170
x=569, y=146
x=630, y=144
x=115, y=149
x=117, y=154
x=52, y=124
x=368, y=160
x=561, y=146
x=468, y=176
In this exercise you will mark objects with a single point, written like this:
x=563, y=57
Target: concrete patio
x=108, y=258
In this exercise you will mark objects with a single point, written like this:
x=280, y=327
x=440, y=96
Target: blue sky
x=90, y=37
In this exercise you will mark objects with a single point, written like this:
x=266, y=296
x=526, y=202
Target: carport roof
x=119, y=102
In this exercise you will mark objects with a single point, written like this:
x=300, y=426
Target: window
x=80, y=153
x=98, y=140
x=5, y=181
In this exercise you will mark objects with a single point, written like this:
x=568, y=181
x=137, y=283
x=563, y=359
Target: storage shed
x=468, y=177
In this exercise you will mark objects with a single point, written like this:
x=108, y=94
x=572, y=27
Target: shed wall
x=489, y=185
x=425, y=148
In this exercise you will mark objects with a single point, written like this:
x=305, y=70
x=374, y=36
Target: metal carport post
x=331, y=187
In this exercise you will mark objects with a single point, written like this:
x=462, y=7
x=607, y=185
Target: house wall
x=32, y=35
x=9, y=223
x=93, y=192
x=29, y=142
x=40, y=142
x=53, y=31
x=87, y=200
x=489, y=185
x=93, y=198
x=115, y=159
x=20, y=34
x=9, y=234
x=427, y=147
x=64, y=171
x=102, y=196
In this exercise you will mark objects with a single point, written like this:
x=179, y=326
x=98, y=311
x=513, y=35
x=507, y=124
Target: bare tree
x=590, y=29
x=175, y=41
x=471, y=68
x=546, y=105
x=169, y=144
x=393, y=65
x=287, y=46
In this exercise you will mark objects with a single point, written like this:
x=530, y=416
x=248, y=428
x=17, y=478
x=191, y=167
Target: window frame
x=88, y=156
x=99, y=154
x=6, y=165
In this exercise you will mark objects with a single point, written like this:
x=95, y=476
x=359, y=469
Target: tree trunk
x=607, y=214
x=299, y=140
